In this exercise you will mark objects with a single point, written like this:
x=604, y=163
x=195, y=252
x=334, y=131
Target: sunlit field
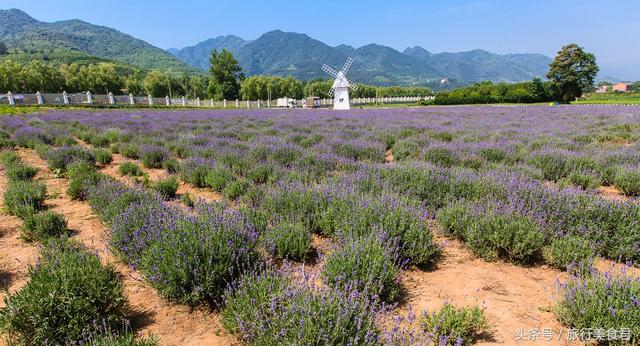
x=405, y=226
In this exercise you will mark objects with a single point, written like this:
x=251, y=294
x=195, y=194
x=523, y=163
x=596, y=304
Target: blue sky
x=610, y=29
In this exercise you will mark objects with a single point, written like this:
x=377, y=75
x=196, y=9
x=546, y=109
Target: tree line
x=225, y=81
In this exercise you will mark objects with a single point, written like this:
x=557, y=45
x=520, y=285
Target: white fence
x=131, y=100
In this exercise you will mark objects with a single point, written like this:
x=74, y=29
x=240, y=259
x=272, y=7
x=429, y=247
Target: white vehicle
x=285, y=102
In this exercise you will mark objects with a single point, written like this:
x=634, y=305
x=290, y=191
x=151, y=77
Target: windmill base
x=341, y=98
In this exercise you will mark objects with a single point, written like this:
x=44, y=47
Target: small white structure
x=341, y=85
x=286, y=102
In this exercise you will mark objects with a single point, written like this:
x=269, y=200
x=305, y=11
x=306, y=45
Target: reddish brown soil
x=173, y=324
x=612, y=193
x=389, y=156
x=514, y=297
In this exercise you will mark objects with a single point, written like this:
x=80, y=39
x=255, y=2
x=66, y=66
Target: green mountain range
x=22, y=32
x=274, y=53
x=298, y=55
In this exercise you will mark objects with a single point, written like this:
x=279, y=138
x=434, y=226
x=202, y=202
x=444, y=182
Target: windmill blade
x=353, y=86
x=331, y=92
x=346, y=66
x=330, y=71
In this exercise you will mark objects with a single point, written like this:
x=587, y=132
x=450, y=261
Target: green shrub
x=166, y=187
x=513, y=237
x=130, y=169
x=592, y=300
x=100, y=141
x=60, y=158
x=109, y=198
x=440, y=156
x=218, y=178
x=194, y=262
x=171, y=165
x=9, y=157
x=103, y=156
x=288, y=240
x=42, y=226
x=494, y=154
x=367, y=264
x=260, y=174
x=554, y=166
x=562, y=252
x=187, y=200
x=130, y=151
x=268, y=309
x=153, y=156
x=455, y=326
x=236, y=188
x=6, y=143
x=23, y=198
x=82, y=176
x=68, y=291
x=492, y=235
x=20, y=171
x=406, y=149
x=628, y=182
x=583, y=180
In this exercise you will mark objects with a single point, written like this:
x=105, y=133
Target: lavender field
x=317, y=227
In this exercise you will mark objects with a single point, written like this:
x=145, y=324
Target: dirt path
x=173, y=324
x=514, y=297
x=15, y=254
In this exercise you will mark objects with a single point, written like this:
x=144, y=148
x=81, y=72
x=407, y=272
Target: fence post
x=237, y=103
x=89, y=98
x=39, y=98
x=12, y=102
x=258, y=103
x=132, y=101
x=65, y=98
x=224, y=103
x=184, y=102
x=111, y=99
x=150, y=100
x=212, y=103
x=198, y=102
x=167, y=101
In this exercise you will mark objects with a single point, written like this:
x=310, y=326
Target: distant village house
x=624, y=87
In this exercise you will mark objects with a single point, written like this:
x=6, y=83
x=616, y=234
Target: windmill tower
x=341, y=85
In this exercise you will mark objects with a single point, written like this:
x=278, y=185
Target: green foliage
x=194, y=263
x=68, y=291
x=82, y=176
x=187, y=200
x=60, y=158
x=270, y=87
x=171, y=165
x=628, y=182
x=130, y=169
x=103, y=156
x=236, y=188
x=491, y=234
x=218, y=178
x=20, y=171
x=260, y=174
x=131, y=151
x=440, y=156
x=366, y=264
x=226, y=75
x=602, y=301
x=572, y=72
x=288, y=240
x=166, y=187
x=487, y=92
x=455, y=326
x=24, y=198
x=153, y=157
x=268, y=309
x=563, y=252
x=42, y=226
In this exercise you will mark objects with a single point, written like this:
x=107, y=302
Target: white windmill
x=341, y=85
